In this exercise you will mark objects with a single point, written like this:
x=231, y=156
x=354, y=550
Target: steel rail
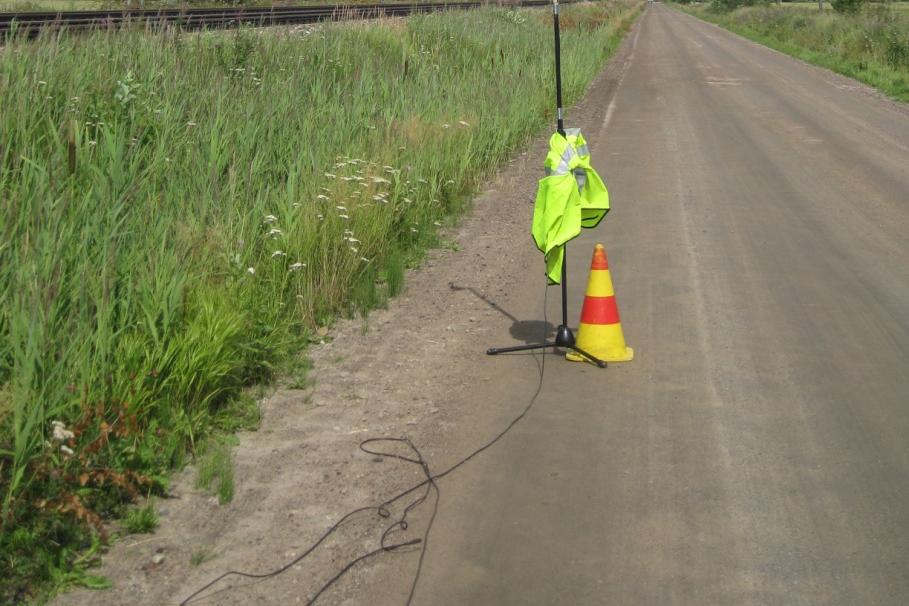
x=32, y=23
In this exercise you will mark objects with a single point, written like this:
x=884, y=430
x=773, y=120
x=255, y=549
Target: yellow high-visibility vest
x=571, y=196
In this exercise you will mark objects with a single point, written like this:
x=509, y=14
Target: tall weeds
x=180, y=212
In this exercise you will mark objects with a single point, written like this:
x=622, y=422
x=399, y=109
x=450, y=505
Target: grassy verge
x=871, y=46
x=182, y=213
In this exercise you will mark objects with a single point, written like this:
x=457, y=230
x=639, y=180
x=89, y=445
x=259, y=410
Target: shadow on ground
x=528, y=331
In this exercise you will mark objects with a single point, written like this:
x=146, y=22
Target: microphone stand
x=564, y=337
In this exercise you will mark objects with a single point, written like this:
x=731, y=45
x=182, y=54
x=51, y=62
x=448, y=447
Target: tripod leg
x=590, y=357
x=497, y=350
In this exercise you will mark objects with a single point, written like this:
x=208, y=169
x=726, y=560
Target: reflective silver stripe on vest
x=567, y=155
x=582, y=150
x=580, y=175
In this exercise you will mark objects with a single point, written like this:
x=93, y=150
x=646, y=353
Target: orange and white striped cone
x=600, y=331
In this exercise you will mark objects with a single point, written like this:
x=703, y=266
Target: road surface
x=757, y=449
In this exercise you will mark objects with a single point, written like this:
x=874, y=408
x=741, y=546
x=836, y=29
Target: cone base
x=612, y=356
x=605, y=341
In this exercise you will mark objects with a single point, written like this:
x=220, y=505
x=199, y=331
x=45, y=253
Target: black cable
x=429, y=485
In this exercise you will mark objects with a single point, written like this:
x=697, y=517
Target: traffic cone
x=600, y=332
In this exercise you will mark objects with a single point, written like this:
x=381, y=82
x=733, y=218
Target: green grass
x=183, y=213
x=900, y=6
x=199, y=557
x=394, y=273
x=50, y=5
x=871, y=46
x=139, y=520
x=215, y=471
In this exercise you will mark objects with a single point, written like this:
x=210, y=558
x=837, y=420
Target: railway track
x=32, y=23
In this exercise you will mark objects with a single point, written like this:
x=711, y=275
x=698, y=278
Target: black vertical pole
x=558, y=66
x=564, y=337
x=560, y=126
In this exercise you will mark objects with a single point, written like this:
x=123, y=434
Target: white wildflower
x=320, y=216
x=449, y=182
x=364, y=259
x=413, y=230
x=66, y=450
x=354, y=250
x=437, y=224
x=446, y=126
x=330, y=175
x=344, y=217
x=270, y=218
x=251, y=271
x=296, y=205
x=296, y=266
x=380, y=180
x=341, y=208
x=278, y=253
x=353, y=241
x=274, y=232
x=190, y=124
x=321, y=197
x=60, y=432
x=462, y=123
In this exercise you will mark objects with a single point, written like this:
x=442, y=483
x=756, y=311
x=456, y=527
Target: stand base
x=564, y=338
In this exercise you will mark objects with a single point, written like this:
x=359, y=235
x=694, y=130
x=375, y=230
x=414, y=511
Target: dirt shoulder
x=415, y=370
